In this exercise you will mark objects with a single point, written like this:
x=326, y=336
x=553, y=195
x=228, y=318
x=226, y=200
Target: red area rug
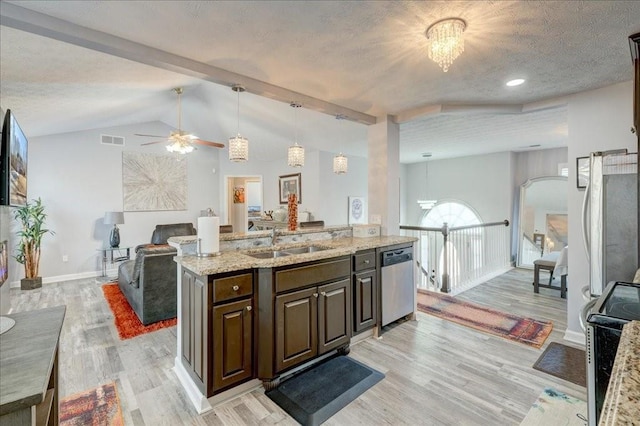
x=519, y=329
x=99, y=406
x=127, y=322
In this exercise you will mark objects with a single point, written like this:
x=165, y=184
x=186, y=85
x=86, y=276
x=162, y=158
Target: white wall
x=324, y=193
x=483, y=182
x=79, y=179
x=599, y=120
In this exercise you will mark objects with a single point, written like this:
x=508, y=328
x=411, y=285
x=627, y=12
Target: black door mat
x=314, y=395
x=565, y=362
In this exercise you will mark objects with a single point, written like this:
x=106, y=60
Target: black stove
x=618, y=304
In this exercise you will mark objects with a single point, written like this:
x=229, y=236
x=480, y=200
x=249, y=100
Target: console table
x=29, y=368
x=107, y=256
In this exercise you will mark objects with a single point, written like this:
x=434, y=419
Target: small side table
x=121, y=254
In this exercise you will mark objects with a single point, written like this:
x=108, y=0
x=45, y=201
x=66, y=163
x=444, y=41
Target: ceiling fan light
x=238, y=149
x=340, y=164
x=180, y=147
x=295, y=156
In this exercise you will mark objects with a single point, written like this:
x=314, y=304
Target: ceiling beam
x=47, y=26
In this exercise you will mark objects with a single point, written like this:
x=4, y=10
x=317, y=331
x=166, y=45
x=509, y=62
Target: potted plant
x=31, y=217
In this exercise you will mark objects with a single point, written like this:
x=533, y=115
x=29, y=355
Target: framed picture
x=582, y=166
x=290, y=184
x=13, y=163
x=238, y=195
x=357, y=210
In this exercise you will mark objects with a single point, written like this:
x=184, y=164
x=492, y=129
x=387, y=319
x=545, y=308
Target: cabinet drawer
x=232, y=287
x=290, y=279
x=364, y=260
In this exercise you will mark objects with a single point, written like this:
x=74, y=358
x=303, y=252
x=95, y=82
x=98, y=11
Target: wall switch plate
x=376, y=219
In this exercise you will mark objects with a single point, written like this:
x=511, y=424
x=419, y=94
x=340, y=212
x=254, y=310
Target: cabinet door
x=193, y=323
x=365, y=293
x=296, y=327
x=232, y=344
x=334, y=315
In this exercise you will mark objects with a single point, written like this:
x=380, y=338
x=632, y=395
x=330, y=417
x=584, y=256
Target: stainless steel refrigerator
x=610, y=218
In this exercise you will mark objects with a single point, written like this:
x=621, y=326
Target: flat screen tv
x=13, y=163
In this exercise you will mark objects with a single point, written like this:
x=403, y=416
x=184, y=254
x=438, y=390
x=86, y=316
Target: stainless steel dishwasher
x=397, y=287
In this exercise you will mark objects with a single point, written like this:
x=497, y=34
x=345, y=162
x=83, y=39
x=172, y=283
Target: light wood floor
x=437, y=372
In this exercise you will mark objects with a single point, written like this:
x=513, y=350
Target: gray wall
x=79, y=179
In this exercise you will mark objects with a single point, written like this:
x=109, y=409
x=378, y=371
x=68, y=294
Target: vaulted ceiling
x=74, y=65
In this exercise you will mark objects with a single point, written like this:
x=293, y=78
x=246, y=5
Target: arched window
x=462, y=247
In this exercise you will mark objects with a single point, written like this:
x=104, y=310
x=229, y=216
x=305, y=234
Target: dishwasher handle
x=393, y=257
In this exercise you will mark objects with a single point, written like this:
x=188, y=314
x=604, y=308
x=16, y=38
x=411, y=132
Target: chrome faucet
x=273, y=236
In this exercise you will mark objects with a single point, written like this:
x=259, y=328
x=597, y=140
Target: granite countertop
x=229, y=261
x=622, y=403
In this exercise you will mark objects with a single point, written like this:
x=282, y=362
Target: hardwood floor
x=437, y=372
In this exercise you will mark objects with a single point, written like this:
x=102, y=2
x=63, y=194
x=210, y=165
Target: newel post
x=445, y=259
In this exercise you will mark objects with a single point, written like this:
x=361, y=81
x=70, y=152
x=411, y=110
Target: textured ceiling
x=369, y=56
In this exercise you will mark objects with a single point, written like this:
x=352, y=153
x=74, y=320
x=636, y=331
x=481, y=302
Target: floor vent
x=112, y=140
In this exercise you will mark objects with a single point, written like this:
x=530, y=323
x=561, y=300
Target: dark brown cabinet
x=217, y=321
x=305, y=311
x=311, y=322
x=365, y=291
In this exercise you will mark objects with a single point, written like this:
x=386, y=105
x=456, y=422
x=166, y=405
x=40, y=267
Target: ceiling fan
x=180, y=141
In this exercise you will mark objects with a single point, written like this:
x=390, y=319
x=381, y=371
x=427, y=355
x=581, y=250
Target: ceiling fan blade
x=208, y=143
x=151, y=143
x=149, y=136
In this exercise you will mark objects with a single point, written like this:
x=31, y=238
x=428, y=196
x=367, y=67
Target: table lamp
x=115, y=219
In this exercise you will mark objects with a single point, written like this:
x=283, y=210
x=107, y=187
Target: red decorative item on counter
x=293, y=212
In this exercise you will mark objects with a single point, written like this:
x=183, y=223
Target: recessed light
x=515, y=82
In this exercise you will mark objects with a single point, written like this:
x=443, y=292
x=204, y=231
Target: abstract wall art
x=153, y=182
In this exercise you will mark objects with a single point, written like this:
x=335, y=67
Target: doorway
x=243, y=199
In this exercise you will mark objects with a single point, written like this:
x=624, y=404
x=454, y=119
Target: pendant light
x=295, y=155
x=238, y=146
x=340, y=162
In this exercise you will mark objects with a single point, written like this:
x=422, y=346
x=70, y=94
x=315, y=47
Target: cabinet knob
x=249, y=308
x=236, y=288
x=315, y=294
x=366, y=261
x=323, y=294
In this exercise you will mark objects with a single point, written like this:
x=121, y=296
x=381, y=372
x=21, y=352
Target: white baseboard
x=199, y=401
x=70, y=277
x=575, y=337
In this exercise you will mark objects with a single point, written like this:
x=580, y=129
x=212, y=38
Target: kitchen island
x=258, y=312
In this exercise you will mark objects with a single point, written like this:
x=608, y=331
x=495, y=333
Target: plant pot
x=30, y=283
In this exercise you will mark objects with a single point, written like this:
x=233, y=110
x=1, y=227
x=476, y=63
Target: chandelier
x=238, y=146
x=340, y=163
x=295, y=155
x=446, y=42
x=180, y=143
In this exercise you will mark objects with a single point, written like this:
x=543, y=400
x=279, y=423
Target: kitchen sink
x=272, y=254
x=301, y=250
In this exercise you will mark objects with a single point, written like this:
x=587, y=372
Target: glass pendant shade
x=180, y=144
x=238, y=146
x=446, y=41
x=238, y=149
x=295, y=156
x=340, y=164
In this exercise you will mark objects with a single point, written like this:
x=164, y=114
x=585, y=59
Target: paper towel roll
x=209, y=234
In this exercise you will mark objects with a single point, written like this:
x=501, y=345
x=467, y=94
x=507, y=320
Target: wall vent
x=112, y=140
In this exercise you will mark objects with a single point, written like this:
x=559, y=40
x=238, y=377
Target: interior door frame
x=225, y=212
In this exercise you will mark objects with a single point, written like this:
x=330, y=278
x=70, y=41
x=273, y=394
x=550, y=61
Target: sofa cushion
x=163, y=232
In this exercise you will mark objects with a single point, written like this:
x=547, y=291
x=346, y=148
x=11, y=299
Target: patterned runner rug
x=513, y=327
x=99, y=406
x=127, y=322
